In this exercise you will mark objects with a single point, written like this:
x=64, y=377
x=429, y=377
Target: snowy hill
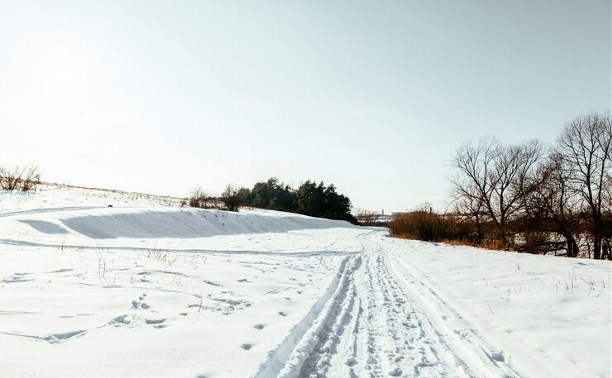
x=147, y=288
x=141, y=216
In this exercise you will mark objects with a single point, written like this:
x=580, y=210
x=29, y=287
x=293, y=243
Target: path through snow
x=375, y=325
x=158, y=291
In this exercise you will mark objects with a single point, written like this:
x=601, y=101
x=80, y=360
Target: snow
x=147, y=288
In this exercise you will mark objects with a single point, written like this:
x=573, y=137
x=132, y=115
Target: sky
x=374, y=97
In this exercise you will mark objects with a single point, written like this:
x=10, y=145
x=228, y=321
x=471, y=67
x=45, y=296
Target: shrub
x=200, y=199
x=234, y=197
x=429, y=226
x=19, y=177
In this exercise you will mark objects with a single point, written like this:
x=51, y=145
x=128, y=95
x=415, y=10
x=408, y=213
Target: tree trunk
x=606, y=252
x=502, y=233
x=572, y=246
x=597, y=239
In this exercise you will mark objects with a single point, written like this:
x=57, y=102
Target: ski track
x=374, y=325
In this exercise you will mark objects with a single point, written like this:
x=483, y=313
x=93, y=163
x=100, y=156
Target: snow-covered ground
x=149, y=289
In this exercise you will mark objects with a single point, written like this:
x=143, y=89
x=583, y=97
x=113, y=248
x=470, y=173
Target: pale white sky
x=163, y=96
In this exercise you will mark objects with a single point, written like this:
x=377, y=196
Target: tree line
x=310, y=198
x=528, y=197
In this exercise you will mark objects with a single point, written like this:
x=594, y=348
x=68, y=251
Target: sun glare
x=62, y=65
x=63, y=68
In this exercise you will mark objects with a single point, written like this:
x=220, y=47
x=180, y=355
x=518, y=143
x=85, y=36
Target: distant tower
x=383, y=211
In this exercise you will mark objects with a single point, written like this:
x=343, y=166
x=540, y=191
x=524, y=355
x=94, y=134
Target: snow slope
x=149, y=289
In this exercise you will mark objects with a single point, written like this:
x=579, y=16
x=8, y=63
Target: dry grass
x=493, y=245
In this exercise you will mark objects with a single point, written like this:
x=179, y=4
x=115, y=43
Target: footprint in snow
x=157, y=323
x=498, y=356
x=122, y=320
x=137, y=304
x=246, y=346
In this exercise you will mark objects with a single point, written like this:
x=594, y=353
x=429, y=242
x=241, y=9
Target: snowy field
x=149, y=289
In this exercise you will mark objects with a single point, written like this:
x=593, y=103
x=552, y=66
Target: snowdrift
x=68, y=217
x=191, y=223
x=58, y=211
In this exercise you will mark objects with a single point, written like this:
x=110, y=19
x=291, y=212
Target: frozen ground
x=147, y=289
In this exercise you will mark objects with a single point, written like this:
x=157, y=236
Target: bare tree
x=471, y=208
x=492, y=182
x=511, y=183
x=552, y=207
x=586, y=143
x=472, y=189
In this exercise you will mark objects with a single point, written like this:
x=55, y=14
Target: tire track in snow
x=368, y=330
x=288, y=358
x=450, y=325
x=332, y=333
x=373, y=325
x=399, y=341
x=410, y=343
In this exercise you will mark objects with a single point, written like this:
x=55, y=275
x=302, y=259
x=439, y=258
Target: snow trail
x=375, y=326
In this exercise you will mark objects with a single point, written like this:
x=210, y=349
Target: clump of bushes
x=19, y=177
x=199, y=198
x=233, y=198
x=426, y=225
